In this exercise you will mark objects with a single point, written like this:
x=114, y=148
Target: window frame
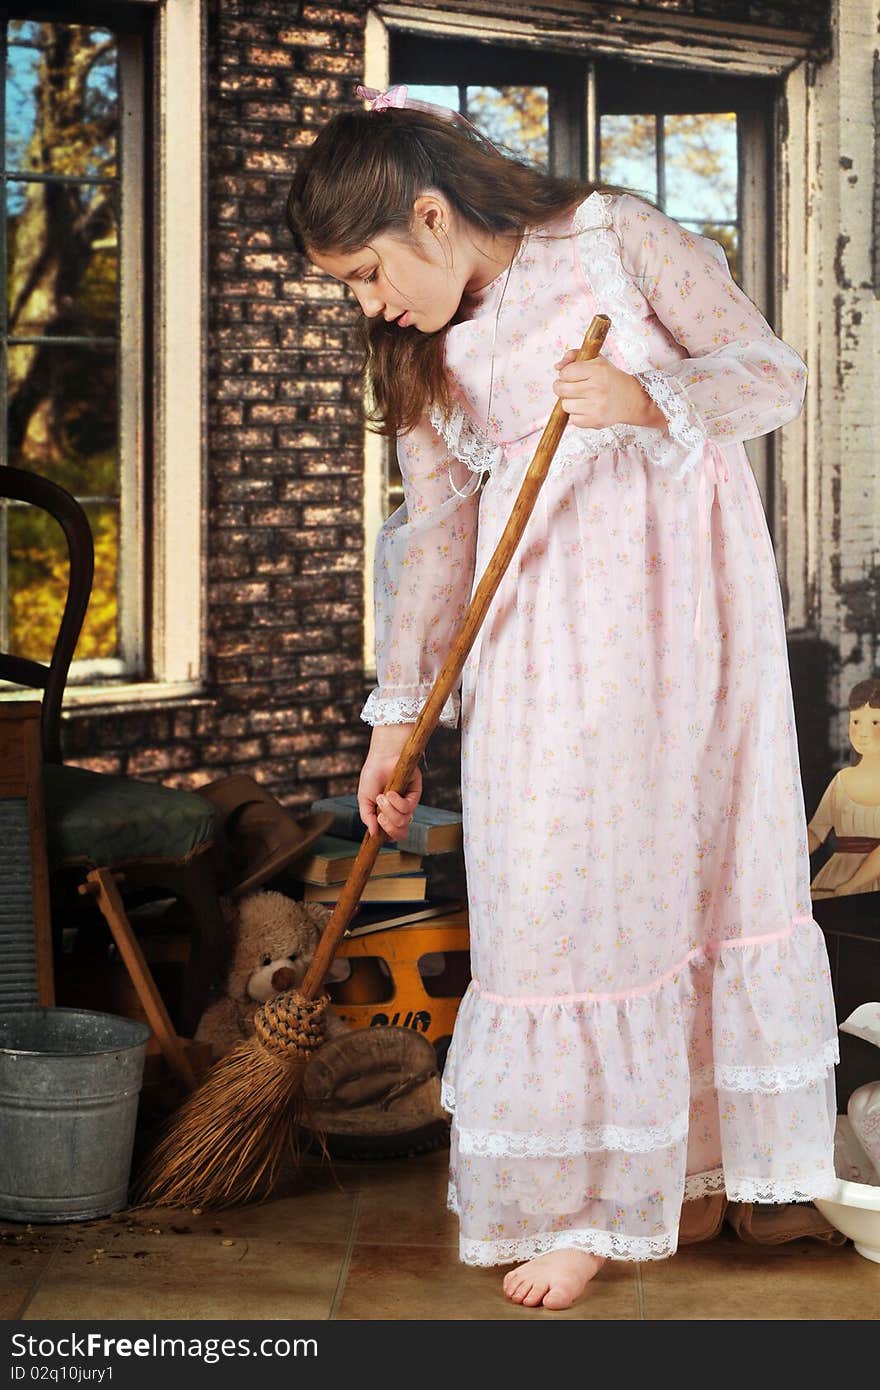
x=130, y=201
x=164, y=423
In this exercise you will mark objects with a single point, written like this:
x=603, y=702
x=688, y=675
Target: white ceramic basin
x=855, y=1207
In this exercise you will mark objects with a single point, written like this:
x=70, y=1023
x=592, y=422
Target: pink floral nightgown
x=650, y=1016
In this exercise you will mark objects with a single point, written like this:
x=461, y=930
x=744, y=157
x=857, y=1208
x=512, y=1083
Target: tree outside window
x=61, y=349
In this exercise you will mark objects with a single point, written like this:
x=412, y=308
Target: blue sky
x=21, y=76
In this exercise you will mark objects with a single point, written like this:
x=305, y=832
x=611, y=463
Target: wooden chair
x=155, y=841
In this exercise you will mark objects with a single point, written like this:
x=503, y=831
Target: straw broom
x=227, y=1140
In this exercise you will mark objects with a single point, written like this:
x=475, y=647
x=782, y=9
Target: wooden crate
x=403, y=998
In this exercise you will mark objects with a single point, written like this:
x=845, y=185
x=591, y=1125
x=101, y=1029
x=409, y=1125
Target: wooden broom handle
x=429, y=716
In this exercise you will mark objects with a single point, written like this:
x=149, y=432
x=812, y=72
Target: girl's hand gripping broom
x=227, y=1139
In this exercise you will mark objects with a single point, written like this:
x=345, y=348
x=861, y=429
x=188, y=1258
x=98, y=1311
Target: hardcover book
x=432, y=830
x=407, y=888
x=372, y=917
x=331, y=858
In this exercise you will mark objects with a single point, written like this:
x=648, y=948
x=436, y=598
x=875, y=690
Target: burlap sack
x=756, y=1223
x=375, y=1092
x=702, y=1218
x=768, y=1223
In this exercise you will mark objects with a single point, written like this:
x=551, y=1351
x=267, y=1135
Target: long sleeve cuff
x=403, y=705
x=687, y=435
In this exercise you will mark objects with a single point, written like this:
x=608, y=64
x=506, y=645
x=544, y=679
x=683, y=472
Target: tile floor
x=374, y=1241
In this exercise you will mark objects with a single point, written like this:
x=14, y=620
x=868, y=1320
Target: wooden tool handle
x=429, y=716
x=102, y=884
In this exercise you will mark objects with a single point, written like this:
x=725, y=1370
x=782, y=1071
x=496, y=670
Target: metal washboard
x=25, y=930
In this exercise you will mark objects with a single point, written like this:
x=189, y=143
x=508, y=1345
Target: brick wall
x=285, y=419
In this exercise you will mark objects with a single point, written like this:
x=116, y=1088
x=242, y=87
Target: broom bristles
x=228, y=1138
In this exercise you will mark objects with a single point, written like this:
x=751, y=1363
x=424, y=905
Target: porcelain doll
x=850, y=806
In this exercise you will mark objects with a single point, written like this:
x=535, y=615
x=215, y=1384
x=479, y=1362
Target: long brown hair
x=362, y=176
x=866, y=692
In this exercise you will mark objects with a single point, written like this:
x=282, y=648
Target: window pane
x=726, y=236
x=700, y=153
x=440, y=96
x=61, y=99
x=61, y=282
x=38, y=579
x=628, y=153
x=62, y=109
x=62, y=416
x=22, y=66
x=516, y=117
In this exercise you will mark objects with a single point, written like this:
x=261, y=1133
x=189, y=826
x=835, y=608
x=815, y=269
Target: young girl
x=650, y=1017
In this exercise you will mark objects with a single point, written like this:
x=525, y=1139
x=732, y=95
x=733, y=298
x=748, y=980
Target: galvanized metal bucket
x=69, y=1086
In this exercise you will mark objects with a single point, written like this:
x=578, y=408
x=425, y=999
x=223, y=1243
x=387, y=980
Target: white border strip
x=178, y=532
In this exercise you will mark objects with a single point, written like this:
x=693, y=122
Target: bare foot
x=555, y=1280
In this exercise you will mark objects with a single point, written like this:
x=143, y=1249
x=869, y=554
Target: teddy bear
x=273, y=941
x=368, y=1092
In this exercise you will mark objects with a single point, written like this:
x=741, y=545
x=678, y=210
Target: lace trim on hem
x=706, y=1184
x=777, y=1079
x=405, y=709
x=572, y=1142
x=608, y=1243
x=764, y=1080
x=783, y=1190
x=620, y=1247
x=703, y=1184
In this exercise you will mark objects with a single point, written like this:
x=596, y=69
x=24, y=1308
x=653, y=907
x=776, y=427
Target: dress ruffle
x=710, y=1078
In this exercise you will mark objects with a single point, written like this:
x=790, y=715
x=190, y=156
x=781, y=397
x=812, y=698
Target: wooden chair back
x=20, y=485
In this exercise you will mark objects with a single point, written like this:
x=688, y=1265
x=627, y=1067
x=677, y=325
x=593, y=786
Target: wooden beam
x=638, y=35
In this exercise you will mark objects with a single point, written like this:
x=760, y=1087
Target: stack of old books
x=396, y=892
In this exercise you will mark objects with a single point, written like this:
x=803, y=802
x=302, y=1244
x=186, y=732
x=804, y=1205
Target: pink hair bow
x=381, y=101
x=396, y=98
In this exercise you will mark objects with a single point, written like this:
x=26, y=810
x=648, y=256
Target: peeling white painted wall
x=828, y=522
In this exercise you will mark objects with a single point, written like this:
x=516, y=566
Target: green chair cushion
x=94, y=818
